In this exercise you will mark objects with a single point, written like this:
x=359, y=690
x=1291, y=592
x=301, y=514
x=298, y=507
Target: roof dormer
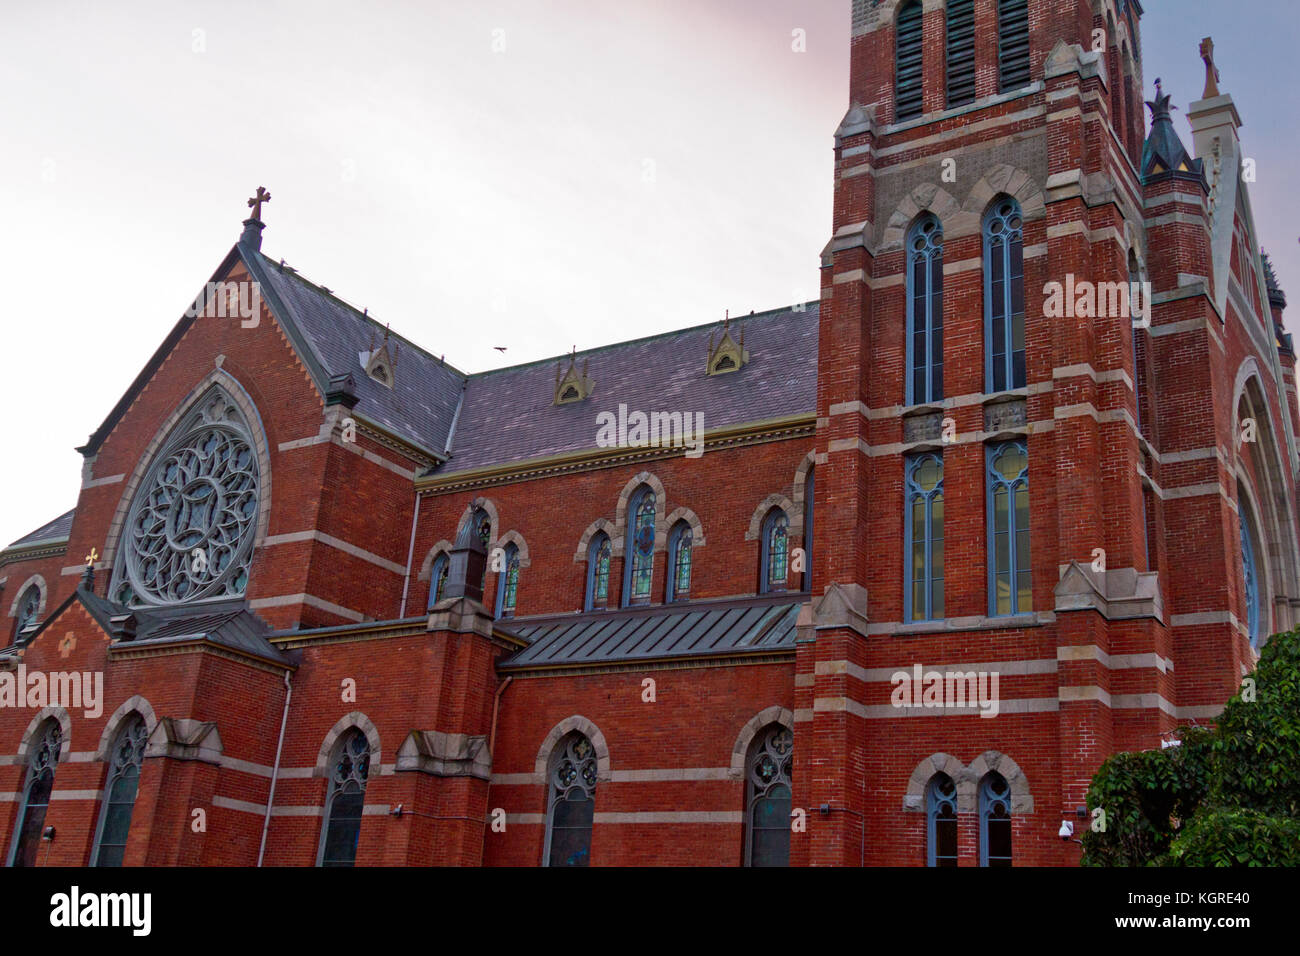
x=381, y=363
x=728, y=355
x=571, y=387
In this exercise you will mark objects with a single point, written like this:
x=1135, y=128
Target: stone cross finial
x=1211, y=71
x=255, y=203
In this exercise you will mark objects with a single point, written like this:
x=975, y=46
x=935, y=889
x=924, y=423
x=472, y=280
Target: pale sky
x=535, y=174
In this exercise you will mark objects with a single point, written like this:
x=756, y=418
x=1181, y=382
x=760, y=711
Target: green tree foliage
x=1227, y=797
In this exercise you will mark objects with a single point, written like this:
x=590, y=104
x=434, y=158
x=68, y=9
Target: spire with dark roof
x=1276, y=297
x=1163, y=154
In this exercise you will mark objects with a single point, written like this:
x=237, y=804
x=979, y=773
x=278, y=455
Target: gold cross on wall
x=92, y=558
x=255, y=203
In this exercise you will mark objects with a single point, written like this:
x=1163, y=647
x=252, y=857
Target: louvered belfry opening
x=961, y=52
x=1013, y=44
x=907, y=63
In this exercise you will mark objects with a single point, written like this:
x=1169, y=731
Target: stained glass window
x=1004, y=296
x=36, y=793
x=1250, y=573
x=923, y=527
x=189, y=533
x=346, y=801
x=941, y=821
x=995, y=821
x=925, y=311
x=1008, y=510
x=438, y=575
x=768, y=776
x=572, y=802
x=598, y=558
x=508, y=589
x=484, y=524
x=641, y=547
x=125, y=761
x=775, y=552
x=679, y=562
x=28, y=607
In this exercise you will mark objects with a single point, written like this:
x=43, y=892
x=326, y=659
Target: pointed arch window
x=908, y=101
x=29, y=606
x=961, y=52
x=769, y=771
x=345, y=803
x=995, y=821
x=775, y=558
x=1008, y=540
x=808, y=513
x=1004, y=296
x=925, y=311
x=1013, y=44
x=508, y=588
x=572, y=802
x=923, y=523
x=189, y=533
x=680, y=541
x=438, y=577
x=598, y=559
x=1250, y=572
x=638, y=567
x=125, y=761
x=483, y=523
x=36, y=794
x=941, y=821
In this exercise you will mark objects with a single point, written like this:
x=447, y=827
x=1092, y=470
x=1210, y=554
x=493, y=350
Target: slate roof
x=56, y=530
x=421, y=404
x=701, y=629
x=508, y=415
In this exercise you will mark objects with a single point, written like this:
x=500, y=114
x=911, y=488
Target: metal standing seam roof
x=667, y=631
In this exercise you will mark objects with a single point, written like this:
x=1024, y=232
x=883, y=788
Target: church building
x=701, y=598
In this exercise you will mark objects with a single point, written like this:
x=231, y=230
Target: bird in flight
x=500, y=348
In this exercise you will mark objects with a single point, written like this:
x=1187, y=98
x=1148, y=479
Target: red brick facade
x=1105, y=661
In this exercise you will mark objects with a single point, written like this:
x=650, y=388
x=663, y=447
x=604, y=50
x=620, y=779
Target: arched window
x=36, y=793
x=808, y=510
x=923, y=522
x=572, y=802
x=769, y=771
x=438, y=578
x=961, y=52
x=775, y=563
x=125, y=761
x=925, y=311
x=1250, y=572
x=349, y=769
x=508, y=585
x=189, y=533
x=479, y=519
x=29, y=605
x=995, y=821
x=941, y=821
x=1008, y=541
x=638, y=567
x=1013, y=44
x=1139, y=343
x=598, y=556
x=908, y=101
x=1004, y=296
x=679, y=561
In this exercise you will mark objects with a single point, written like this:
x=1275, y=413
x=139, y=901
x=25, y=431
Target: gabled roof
x=49, y=533
x=758, y=625
x=509, y=414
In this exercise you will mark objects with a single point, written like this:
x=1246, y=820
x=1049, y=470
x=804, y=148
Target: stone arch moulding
x=914, y=798
x=775, y=714
x=794, y=516
x=560, y=731
x=691, y=518
x=1009, y=181
x=1022, y=801
x=426, y=569
x=801, y=479
x=584, y=543
x=252, y=418
x=625, y=497
x=41, y=587
x=128, y=706
x=930, y=198
x=494, y=519
x=1266, y=565
x=37, y=722
x=362, y=723
x=517, y=539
